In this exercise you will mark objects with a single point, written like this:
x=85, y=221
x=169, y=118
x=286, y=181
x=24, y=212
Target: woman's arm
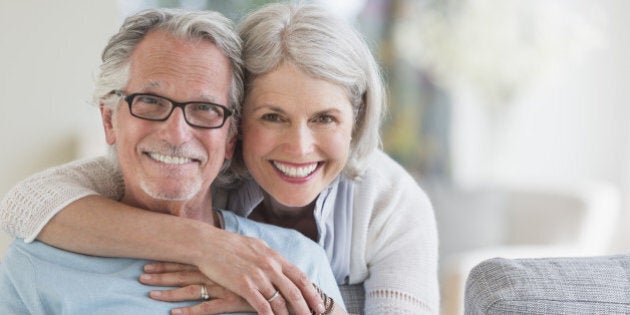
x=97, y=225
x=28, y=206
x=394, y=228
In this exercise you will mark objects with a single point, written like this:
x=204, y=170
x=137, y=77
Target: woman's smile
x=295, y=171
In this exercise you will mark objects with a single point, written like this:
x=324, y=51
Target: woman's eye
x=324, y=119
x=271, y=117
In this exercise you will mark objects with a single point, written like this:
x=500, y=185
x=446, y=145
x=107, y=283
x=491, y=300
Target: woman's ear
x=107, y=115
x=231, y=145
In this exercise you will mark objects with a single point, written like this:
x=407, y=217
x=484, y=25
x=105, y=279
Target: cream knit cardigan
x=394, y=241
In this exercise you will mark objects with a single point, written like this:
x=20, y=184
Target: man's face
x=170, y=160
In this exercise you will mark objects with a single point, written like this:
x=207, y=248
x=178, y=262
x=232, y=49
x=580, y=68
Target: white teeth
x=295, y=171
x=167, y=159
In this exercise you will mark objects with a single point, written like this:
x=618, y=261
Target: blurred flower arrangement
x=493, y=48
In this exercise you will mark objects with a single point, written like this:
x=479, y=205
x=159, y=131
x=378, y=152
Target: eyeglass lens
x=196, y=113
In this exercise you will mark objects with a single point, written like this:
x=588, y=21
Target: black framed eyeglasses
x=158, y=108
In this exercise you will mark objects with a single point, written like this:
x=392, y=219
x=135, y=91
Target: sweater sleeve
x=28, y=206
x=394, y=242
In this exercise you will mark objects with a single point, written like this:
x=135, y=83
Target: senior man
x=169, y=86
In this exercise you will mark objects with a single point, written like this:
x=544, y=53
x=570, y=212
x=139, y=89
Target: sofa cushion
x=354, y=298
x=578, y=285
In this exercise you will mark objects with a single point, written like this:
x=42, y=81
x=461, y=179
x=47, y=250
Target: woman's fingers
x=277, y=303
x=297, y=287
x=254, y=271
x=266, y=276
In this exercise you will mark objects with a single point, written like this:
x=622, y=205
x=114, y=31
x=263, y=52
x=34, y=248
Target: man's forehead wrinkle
x=152, y=85
x=190, y=64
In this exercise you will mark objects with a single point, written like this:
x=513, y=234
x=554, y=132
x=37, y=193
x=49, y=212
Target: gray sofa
x=579, y=285
x=354, y=298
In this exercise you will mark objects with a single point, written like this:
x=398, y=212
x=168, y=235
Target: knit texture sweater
x=394, y=237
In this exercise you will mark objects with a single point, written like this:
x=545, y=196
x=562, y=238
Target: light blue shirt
x=333, y=216
x=39, y=279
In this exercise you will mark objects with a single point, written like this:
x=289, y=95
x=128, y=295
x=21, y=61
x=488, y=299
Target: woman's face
x=296, y=134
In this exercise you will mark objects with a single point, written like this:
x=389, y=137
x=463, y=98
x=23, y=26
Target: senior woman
x=307, y=159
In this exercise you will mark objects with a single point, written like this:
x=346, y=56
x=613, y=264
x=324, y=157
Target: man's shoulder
x=13, y=254
x=35, y=251
x=19, y=248
x=49, y=258
x=238, y=224
x=22, y=260
x=287, y=241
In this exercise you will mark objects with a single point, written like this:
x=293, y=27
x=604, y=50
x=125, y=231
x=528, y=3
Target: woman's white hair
x=324, y=47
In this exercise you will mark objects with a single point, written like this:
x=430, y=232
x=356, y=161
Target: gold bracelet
x=329, y=303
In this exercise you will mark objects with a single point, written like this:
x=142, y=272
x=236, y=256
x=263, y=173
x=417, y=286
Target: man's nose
x=176, y=129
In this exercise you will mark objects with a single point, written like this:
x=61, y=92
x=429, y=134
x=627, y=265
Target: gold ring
x=274, y=296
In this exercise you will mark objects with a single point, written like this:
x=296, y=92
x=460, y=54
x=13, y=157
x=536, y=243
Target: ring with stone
x=204, y=293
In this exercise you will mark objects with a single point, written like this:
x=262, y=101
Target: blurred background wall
x=49, y=52
x=489, y=100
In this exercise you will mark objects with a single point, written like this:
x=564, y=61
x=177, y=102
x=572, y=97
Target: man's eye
x=148, y=99
x=202, y=107
x=150, y=102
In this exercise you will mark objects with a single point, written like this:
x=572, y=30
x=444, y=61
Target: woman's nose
x=301, y=140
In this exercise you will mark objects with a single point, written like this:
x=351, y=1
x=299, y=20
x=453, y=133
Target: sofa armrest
x=574, y=285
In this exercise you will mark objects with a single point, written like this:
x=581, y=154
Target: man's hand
x=191, y=280
x=243, y=266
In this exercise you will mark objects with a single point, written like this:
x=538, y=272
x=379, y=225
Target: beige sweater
x=394, y=241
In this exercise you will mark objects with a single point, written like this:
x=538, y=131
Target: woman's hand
x=191, y=280
x=251, y=269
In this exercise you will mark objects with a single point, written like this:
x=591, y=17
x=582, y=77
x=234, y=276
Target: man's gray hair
x=205, y=25
x=324, y=47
